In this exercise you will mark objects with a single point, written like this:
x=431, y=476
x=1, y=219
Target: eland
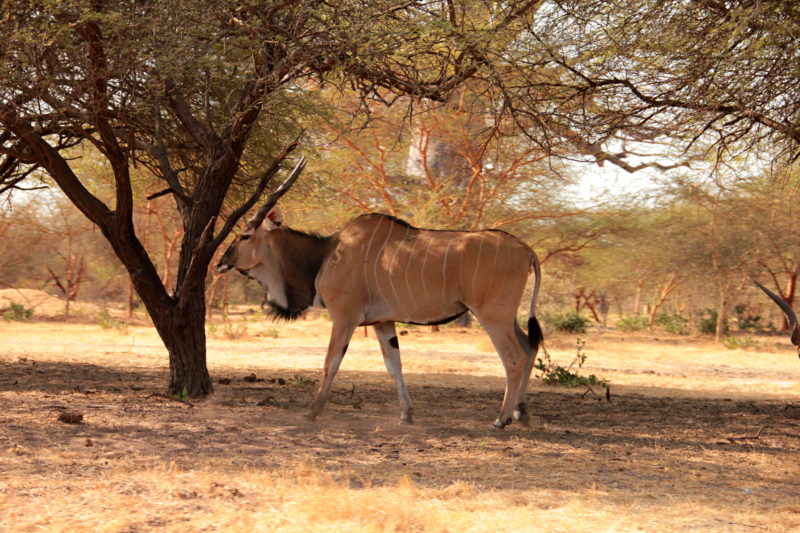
x=378, y=270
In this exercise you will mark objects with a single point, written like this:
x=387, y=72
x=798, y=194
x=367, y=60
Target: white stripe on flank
x=366, y=258
x=461, y=266
x=422, y=267
x=408, y=283
x=477, y=265
x=378, y=260
x=494, y=269
x=444, y=270
x=393, y=261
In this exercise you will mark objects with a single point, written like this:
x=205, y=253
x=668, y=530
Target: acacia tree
x=612, y=75
x=771, y=213
x=182, y=88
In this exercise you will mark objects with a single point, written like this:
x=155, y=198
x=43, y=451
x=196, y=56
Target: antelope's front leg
x=387, y=335
x=337, y=347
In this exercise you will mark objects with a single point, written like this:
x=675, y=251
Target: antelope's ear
x=273, y=219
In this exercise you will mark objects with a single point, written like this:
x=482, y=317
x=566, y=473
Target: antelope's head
x=253, y=252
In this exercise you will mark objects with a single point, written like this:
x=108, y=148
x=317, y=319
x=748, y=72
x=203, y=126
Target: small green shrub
x=746, y=321
x=106, y=321
x=708, y=322
x=17, y=313
x=570, y=322
x=553, y=374
x=675, y=323
x=183, y=396
x=740, y=343
x=301, y=382
x=232, y=331
x=631, y=323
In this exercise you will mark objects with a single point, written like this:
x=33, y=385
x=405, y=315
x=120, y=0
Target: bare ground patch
x=664, y=454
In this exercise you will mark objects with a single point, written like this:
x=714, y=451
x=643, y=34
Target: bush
x=571, y=322
x=632, y=323
x=743, y=343
x=106, y=321
x=746, y=321
x=17, y=313
x=708, y=322
x=553, y=374
x=674, y=323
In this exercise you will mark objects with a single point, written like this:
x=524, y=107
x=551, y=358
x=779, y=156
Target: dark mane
x=393, y=218
x=311, y=235
x=276, y=312
x=405, y=224
x=300, y=257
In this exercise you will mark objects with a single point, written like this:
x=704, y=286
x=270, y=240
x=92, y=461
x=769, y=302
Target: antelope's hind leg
x=515, y=361
x=387, y=335
x=337, y=347
x=521, y=409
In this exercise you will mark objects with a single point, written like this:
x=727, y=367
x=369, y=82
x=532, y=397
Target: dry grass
x=696, y=437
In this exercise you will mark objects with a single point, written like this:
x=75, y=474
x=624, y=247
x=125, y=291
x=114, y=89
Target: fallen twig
x=747, y=437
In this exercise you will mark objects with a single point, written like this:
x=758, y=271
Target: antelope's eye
x=244, y=237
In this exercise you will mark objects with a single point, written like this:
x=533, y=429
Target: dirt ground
x=695, y=437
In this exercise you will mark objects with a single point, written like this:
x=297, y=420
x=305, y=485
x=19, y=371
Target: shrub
x=571, y=322
x=675, y=323
x=746, y=321
x=106, y=321
x=708, y=322
x=17, y=313
x=743, y=343
x=632, y=323
x=553, y=374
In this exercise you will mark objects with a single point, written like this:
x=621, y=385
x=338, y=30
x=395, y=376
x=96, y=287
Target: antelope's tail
x=535, y=335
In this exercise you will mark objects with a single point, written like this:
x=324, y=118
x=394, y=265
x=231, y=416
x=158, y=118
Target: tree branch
x=193, y=127
x=238, y=213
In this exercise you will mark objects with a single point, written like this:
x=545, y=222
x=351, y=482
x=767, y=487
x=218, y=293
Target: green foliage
x=183, y=396
x=708, y=322
x=17, y=313
x=233, y=331
x=301, y=382
x=674, y=323
x=570, y=322
x=631, y=323
x=553, y=374
x=106, y=321
x=740, y=343
x=747, y=322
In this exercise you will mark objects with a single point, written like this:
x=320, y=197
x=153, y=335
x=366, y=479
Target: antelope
x=789, y=312
x=378, y=270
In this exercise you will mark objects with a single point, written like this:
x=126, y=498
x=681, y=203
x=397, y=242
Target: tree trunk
x=179, y=319
x=722, y=315
x=638, y=298
x=182, y=329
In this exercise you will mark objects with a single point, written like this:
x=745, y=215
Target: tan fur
x=421, y=276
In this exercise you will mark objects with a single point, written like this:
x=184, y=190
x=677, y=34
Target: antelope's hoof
x=500, y=424
x=310, y=416
x=406, y=421
x=521, y=415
